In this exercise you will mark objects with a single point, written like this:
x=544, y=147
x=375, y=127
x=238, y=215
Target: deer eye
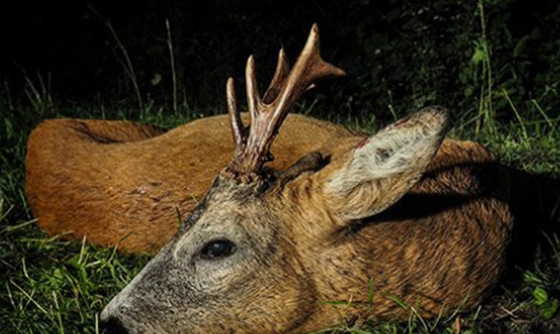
x=217, y=249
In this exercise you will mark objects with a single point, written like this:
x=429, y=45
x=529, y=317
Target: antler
x=252, y=145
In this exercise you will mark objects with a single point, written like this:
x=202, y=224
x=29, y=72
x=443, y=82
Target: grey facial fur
x=179, y=290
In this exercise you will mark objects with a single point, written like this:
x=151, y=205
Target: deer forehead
x=228, y=212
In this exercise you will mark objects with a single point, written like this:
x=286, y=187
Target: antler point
x=315, y=28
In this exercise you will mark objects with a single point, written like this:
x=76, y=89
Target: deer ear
x=383, y=168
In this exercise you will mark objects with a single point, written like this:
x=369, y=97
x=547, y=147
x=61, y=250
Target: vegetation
x=495, y=64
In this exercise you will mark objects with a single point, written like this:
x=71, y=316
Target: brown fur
x=401, y=216
x=416, y=251
x=122, y=183
x=91, y=178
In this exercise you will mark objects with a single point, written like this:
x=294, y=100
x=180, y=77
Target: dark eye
x=217, y=249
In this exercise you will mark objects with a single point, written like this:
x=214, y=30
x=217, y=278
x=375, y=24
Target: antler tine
x=280, y=75
x=308, y=68
x=237, y=127
x=253, y=96
x=253, y=149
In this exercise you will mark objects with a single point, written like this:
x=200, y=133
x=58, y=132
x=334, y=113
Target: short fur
x=353, y=229
x=439, y=247
x=123, y=183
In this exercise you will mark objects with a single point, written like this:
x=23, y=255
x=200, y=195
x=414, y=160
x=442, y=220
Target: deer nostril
x=113, y=326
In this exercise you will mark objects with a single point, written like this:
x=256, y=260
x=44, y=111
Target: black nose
x=113, y=326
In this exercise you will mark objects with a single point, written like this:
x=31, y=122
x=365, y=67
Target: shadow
x=425, y=203
x=534, y=200
x=535, y=203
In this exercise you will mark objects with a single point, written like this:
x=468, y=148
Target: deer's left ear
x=383, y=168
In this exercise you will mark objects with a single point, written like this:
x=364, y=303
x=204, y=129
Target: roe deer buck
x=405, y=212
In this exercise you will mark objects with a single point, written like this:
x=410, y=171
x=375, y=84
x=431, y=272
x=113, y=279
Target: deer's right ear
x=383, y=168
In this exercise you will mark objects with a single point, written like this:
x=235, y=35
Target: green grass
x=49, y=285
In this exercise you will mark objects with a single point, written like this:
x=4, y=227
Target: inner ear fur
x=376, y=173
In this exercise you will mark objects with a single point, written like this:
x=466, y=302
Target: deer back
x=129, y=184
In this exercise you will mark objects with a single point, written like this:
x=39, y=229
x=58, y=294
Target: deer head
x=251, y=256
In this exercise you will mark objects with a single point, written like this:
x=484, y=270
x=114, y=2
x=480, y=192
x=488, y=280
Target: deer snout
x=111, y=317
x=112, y=325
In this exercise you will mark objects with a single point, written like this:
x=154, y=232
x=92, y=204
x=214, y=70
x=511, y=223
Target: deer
x=327, y=225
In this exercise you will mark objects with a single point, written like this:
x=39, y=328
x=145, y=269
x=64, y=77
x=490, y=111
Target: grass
x=49, y=285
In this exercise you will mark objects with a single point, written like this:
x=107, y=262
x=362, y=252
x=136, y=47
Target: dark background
x=402, y=54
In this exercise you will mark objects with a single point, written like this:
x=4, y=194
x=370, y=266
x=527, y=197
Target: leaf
x=371, y=292
x=397, y=301
x=530, y=278
x=9, y=128
x=521, y=45
x=549, y=309
x=479, y=52
x=540, y=296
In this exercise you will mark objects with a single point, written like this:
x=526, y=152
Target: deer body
x=441, y=247
x=339, y=227
x=116, y=182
